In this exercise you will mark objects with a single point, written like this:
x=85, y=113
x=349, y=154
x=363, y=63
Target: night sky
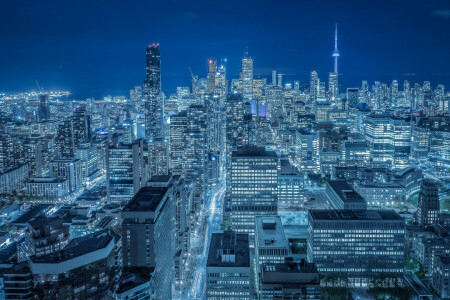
x=96, y=48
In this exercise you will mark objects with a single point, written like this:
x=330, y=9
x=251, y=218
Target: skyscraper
x=247, y=78
x=152, y=94
x=125, y=172
x=253, y=191
x=212, y=69
x=44, y=108
x=313, y=86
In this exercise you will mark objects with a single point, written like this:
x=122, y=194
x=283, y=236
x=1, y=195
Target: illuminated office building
x=357, y=246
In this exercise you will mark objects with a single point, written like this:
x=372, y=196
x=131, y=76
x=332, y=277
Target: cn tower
x=336, y=51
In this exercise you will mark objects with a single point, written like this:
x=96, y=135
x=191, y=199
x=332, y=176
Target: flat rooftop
x=252, y=151
x=231, y=244
x=270, y=232
x=354, y=215
x=78, y=247
x=344, y=191
x=146, y=199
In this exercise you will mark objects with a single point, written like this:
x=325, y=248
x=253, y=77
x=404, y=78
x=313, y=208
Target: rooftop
x=252, y=151
x=354, y=215
x=270, y=233
x=78, y=247
x=229, y=249
x=146, y=199
x=344, y=191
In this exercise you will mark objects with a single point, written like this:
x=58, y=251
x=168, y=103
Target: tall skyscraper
x=254, y=187
x=428, y=206
x=147, y=226
x=152, y=94
x=212, y=69
x=125, y=172
x=274, y=77
x=313, y=86
x=247, y=78
x=44, y=108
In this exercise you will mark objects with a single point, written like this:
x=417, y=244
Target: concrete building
x=360, y=244
x=254, y=188
x=228, y=267
x=148, y=230
x=340, y=195
x=67, y=168
x=291, y=192
x=50, y=188
x=125, y=171
x=441, y=276
x=428, y=206
x=289, y=280
x=87, y=268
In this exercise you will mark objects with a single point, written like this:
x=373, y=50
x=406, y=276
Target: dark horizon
x=97, y=49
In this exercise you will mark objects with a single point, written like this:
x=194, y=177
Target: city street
x=214, y=219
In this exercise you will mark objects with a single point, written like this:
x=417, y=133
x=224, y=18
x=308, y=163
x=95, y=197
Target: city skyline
x=223, y=151
x=103, y=56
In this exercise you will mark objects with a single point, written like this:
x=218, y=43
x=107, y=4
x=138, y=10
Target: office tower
x=420, y=142
x=394, y=91
x=313, y=86
x=379, y=135
x=428, y=206
x=333, y=87
x=307, y=150
x=389, y=139
x=356, y=247
x=296, y=85
x=212, y=69
x=401, y=139
x=280, y=80
x=274, y=77
x=43, y=236
x=152, y=94
x=340, y=195
x=247, y=78
x=158, y=157
x=228, y=267
x=253, y=190
x=291, y=193
x=125, y=171
x=352, y=98
x=67, y=169
x=289, y=280
x=87, y=268
x=195, y=154
x=177, y=142
x=271, y=245
x=88, y=156
x=148, y=230
x=44, y=108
